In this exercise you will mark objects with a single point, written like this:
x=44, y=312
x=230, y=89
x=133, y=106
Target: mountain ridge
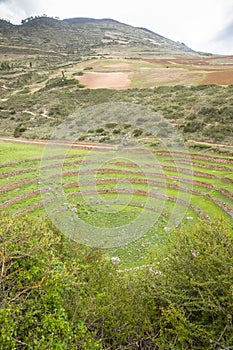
x=88, y=37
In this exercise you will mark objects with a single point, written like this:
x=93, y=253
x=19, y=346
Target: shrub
x=193, y=126
x=196, y=289
x=111, y=125
x=33, y=285
x=100, y=130
x=60, y=82
x=55, y=294
x=137, y=132
x=116, y=131
x=19, y=130
x=80, y=73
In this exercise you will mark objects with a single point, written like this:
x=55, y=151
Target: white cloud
x=16, y=10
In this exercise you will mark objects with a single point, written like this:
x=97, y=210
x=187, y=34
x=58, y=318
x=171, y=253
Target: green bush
x=193, y=126
x=100, y=130
x=33, y=286
x=196, y=289
x=19, y=130
x=116, y=131
x=137, y=132
x=61, y=82
x=55, y=294
x=5, y=66
x=111, y=125
x=80, y=73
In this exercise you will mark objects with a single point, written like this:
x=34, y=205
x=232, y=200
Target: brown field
x=146, y=73
x=110, y=80
x=219, y=78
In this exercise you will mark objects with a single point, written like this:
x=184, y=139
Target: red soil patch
x=216, y=70
x=220, y=78
x=113, y=80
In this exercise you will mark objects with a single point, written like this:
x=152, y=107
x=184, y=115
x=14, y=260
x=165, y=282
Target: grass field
x=172, y=192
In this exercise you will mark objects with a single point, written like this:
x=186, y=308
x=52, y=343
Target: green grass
x=12, y=152
x=111, y=208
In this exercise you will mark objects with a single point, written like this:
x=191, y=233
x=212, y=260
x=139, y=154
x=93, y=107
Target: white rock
x=194, y=253
x=155, y=272
x=115, y=260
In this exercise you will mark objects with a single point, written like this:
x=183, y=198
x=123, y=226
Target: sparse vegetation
x=204, y=120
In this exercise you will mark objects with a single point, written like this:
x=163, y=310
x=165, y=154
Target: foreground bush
x=55, y=294
x=33, y=284
x=196, y=289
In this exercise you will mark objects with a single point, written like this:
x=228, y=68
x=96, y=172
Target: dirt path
x=60, y=143
x=211, y=143
x=92, y=144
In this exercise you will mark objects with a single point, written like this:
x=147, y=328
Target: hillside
x=51, y=67
x=85, y=37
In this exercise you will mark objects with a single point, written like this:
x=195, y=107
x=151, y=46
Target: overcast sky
x=205, y=25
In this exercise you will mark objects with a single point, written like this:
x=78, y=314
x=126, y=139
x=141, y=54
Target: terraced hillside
x=117, y=193
x=84, y=37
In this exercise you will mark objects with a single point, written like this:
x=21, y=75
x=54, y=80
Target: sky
x=203, y=25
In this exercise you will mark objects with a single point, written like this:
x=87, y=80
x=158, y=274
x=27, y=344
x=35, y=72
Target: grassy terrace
x=121, y=190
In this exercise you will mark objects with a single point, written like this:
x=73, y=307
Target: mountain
x=85, y=37
x=50, y=68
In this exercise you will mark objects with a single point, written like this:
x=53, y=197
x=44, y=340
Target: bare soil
x=209, y=70
x=111, y=80
x=219, y=78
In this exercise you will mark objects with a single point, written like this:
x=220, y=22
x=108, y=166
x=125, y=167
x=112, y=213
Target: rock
x=194, y=253
x=155, y=272
x=115, y=260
